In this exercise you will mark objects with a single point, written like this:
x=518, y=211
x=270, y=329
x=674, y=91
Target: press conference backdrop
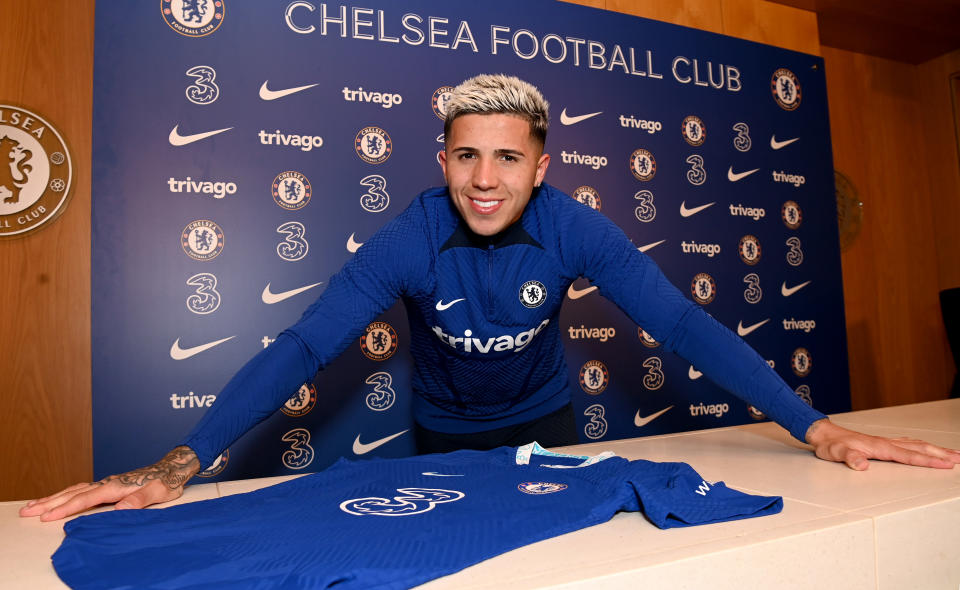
x=243, y=151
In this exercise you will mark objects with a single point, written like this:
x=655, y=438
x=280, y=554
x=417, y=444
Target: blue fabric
x=510, y=369
x=386, y=523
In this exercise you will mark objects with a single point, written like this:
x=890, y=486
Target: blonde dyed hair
x=487, y=94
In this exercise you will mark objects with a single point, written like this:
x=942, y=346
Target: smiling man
x=482, y=266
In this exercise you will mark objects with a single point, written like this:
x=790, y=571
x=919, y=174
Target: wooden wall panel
x=698, y=14
x=46, y=65
x=773, y=24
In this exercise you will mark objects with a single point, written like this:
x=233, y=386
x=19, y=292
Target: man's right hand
x=161, y=482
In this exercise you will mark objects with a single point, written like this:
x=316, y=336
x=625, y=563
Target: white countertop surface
x=890, y=527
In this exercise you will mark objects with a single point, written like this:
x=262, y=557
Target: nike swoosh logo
x=441, y=306
x=788, y=291
x=435, y=474
x=360, y=448
x=688, y=212
x=267, y=94
x=353, y=245
x=744, y=331
x=178, y=354
x=779, y=144
x=574, y=293
x=178, y=140
x=694, y=374
x=650, y=246
x=735, y=176
x=270, y=298
x=568, y=120
x=643, y=421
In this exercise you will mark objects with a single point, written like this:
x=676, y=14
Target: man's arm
x=836, y=443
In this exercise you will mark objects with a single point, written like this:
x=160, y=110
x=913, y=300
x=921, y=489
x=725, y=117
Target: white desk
x=891, y=527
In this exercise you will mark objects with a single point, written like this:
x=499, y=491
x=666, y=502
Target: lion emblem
x=13, y=175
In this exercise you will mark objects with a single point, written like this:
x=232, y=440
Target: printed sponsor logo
x=409, y=501
x=574, y=293
x=803, y=392
x=749, y=249
x=646, y=338
x=218, y=465
x=687, y=212
x=379, y=341
x=193, y=18
x=301, y=402
x=755, y=413
x=178, y=140
x=217, y=189
x=191, y=400
x=360, y=448
x=270, y=298
x=791, y=214
x=641, y=421
x=352, y=244
x=376, y=199
x=373, y=145
x=595, y=162
x=291, y=190
x=435, y=474
x=204, y=90
x=781, y=144
x=742, y=141
x=202, y=240
x=300, y=454
x=646, y=211
x=278, y=138
x=179, y=354
x=654, y=378
x=702, y=488
x=692, y=247
x=643, y=165
x=573, y=120
x=744, y=330
x=594, y=377
x=800, y=362
x=588, y=196
x=383, y=395
x=715, y=410
x=205, y=299
x=795, y=254
x=533, y=294
x=540, y=487
x=36, y=172
x=794, y=179
x=267, y=341
x=703, y=288
x=649, y=246
x=693, y=130
x=805, y=325
x=384, y=99
x=439, y=101
x=441, y=306
x=631, y=122
x=697, y=174
x=786, y=89
x=753, y=293
x=294, y=246
x=738, y=176
x=585, y=333
x=755, y=213
x=596, y=426
x=495, y=343
x=693, y=374
x=788, y=291
x=267, y=94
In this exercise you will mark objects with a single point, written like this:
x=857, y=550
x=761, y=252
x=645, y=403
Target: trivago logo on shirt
x=495, y=343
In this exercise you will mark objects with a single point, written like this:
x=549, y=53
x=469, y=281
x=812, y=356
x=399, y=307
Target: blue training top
x=484, y=326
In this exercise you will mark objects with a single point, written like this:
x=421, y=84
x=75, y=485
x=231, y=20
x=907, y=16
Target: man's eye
x=467, y=156
x=509, y=158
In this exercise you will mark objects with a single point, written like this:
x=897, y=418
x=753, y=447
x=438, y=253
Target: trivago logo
x=304, y=142
x=211, y=188
x=495, y=343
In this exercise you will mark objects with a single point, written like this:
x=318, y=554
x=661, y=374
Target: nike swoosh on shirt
x=178, y=354
x=574, y=293
x=650, y=246
x=441, y=306
x=744, y=331
x=352, y=244
x=779, y=144
x=267, y=94
x=735, y=176
x=788, y=291
x=688, y=212
x=694, y=374
x=178, y=140
x=270, y=298
x=568, y=120
x=643, y=421
x=435, y=474
x=360, y=448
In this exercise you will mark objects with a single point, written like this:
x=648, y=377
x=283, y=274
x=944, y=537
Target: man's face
x=491, y=163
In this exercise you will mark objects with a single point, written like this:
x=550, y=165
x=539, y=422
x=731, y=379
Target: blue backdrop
x=242, y=150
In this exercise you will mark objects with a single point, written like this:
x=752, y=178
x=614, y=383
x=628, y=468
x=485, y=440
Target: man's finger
x=856, y=460
x=96, y=495
x=949, y=456
x=151, y=494
x=36, y=507
x=897, y=452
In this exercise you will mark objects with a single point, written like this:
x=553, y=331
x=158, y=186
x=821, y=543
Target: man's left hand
x=836, y=443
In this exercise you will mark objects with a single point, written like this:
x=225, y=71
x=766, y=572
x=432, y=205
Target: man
x=482, y=266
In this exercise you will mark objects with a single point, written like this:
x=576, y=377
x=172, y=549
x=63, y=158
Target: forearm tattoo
x=176, y=467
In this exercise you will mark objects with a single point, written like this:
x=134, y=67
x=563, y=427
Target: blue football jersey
x=386, y=523
x=484, y=321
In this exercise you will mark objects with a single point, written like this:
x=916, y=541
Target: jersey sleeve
x=390, y=263
x=598, y=250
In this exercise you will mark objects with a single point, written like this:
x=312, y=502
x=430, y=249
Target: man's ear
x=542, y=164
x=442, y=158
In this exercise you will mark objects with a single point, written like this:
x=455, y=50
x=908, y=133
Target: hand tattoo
x=176, y=467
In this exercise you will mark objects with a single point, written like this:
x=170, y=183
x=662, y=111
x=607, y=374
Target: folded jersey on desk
x=386, y=523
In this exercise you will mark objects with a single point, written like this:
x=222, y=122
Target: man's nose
x=484, y=174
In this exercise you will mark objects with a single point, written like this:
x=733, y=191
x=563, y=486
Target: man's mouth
x=485, y=207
